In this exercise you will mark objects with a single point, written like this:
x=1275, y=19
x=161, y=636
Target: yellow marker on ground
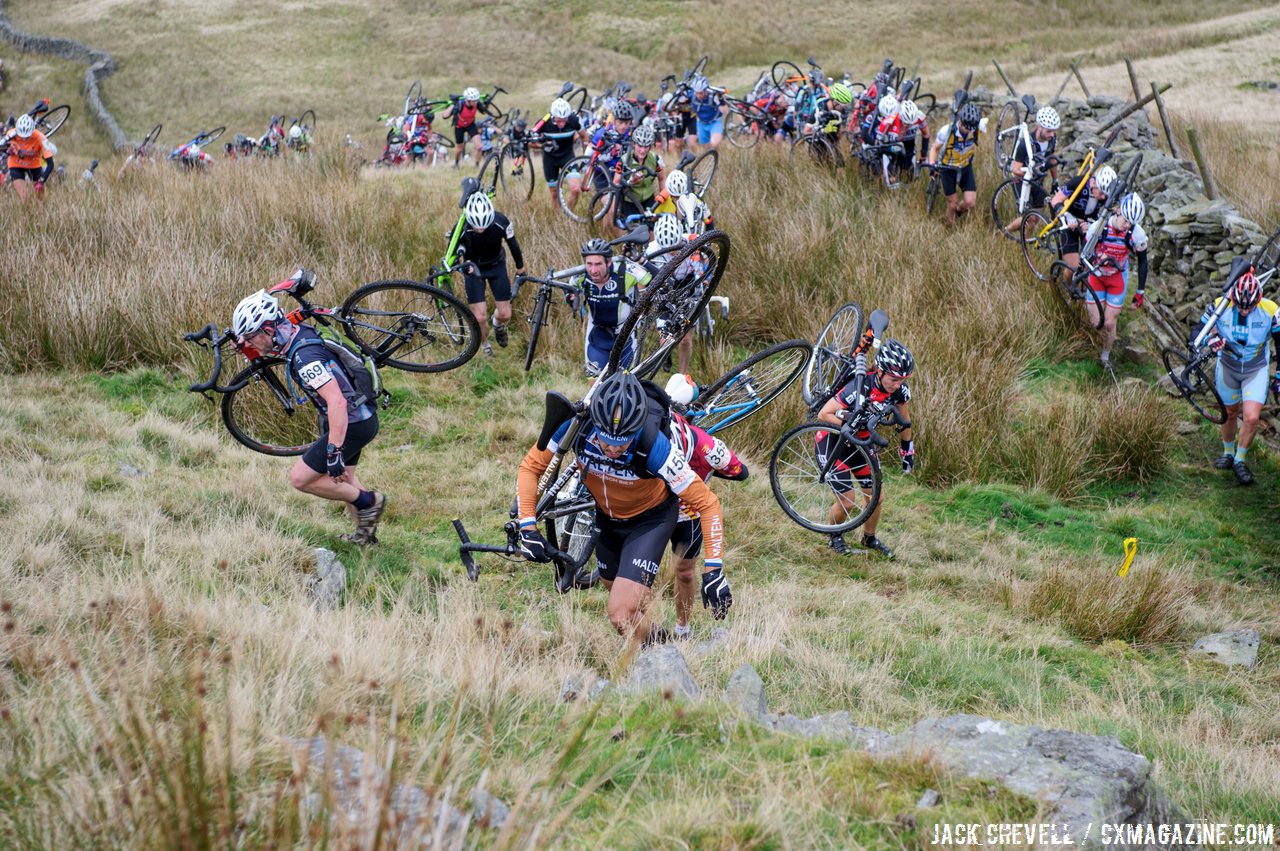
x=1130, y=550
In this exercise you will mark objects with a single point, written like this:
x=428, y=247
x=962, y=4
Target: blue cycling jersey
x=1248, y=337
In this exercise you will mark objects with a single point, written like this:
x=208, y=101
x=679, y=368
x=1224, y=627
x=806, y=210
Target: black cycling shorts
x=358, y=437
x=627, y=207
x=965, y=178
x=686, y=540
x=1071, y=241
x=496, y=277
x=32, y=174
x=460, y=134
x=846, y=470
x=632, y=549
x=551, y=168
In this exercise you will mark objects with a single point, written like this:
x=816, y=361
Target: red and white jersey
x=706, y=455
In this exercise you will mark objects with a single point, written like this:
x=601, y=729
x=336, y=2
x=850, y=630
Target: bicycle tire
x=1004, y=208
x=1201, y=390
x=263, y=414
x=786, y=81
x=751, y=385
x=51, y=121
x=208, y=136
x=1004, y=145
x=931, y=192
x=743, y=128
x=575, y=534
x=840, y=334
x=577, y=208
x=1081, y=290
x=819, y=151
x=433, y=318
x=701, y=174
x=537, y=317
x=1039, y=252
x=490, y=175
x=701, y=64
x=930, y=99
x=668, y=308
x=1268, y=255
x=795, y=477
x=521, y=179
x=415, y=92
x=307, y=125
x=601, y=203
x=151, y=137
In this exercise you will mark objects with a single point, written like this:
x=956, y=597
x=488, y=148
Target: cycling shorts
x=964, y=177
x=358, y=436
x=632, y=549
x=551, y=168
x=708, y=128
x=495, y=276
x=1110, y=288
x=1235, y=386
x=599, y=344
x=686, y=125
x=686, y=540
x=846, y=470
x=32, y=174
x=461, y=134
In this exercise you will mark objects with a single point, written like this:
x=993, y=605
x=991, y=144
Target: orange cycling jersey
x=29, y=152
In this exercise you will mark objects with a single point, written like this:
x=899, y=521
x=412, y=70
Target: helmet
x=1047, y=117
x=895, y=359
x=25, y=126
x=888, y=106
x=253, y=312
x=471, y=93
x=618, y=408
x=1247, y=292
x=479, y=211
x=667, y=231
x=910, y=112
x=642, y=136
x=700, y=84
x=682, y=389
x=596, y=245
x=624, y=112
x=560, y=108
x=1104, y=177
x=677, y=183
x=970, y=114
x=841, y=93
x=1132, y=208
x=295, y=132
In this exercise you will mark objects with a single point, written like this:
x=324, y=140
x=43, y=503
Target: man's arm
x=336, y=407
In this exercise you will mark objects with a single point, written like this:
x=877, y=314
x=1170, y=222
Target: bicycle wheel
x=839, y=336
x=415, y=92
x=818, y=150
x=927, y=103
x=671, y=304
x=1041, y=252
x=1077, y=287
x=537, y=317
x=49, y=123
x=702, y=171
x=1004, y=209
x=212, y=135
x=575, y=534
x=491, y=177
x=1268, y=255
x=601, y=203
x=586, y=180
x=1005, y=142
x=931, y=192
x=307, y=121
x=267, y=413
x=743, y=127
x=814, y=498
x=149, y=139
x=1196, y=386
x=786, y=77
x=520, y=178
x=412, y=326
x=749, y=386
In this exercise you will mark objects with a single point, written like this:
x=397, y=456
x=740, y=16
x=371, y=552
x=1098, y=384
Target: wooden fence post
x=1132, y=108
x=1008, y=85
x=1164, y=120
x=1075, y=69
x=1133, y=79
x=1210, y=188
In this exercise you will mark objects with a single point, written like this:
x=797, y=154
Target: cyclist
x=28, y=152
x=1122, y=235
x=484, y=263
x=709, y=109
x=191, y=155
x=464, y=112
x=607, y=146
x=955, y=146
x=1075, y=218
x=889, y=132
x=348, y=420
x=1040, y=160
x=1243, y=338
x=610, y=286
x=644, y=187
x=886, y=382
x=558, y=130
x=299, y=139
x=914, y=127
x=419, y=134
x=638, y=479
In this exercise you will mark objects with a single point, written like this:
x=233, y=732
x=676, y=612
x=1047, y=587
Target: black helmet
x=895, y=359
x=596, y=245
x=619, y=407
x=970, y=114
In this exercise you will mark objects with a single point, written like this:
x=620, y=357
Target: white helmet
x=193, y=150
x=910, y=112
x=888, y=106
x=253, y=312
x=25, y=126
x=560, y=108
x=1047, y=117
x=479, y=211
x=471, y=93
x=1132, y=208
x=295, y=132
x=667, y=232
x=643, y=136
x=1104, y=177
x=682, y=389
x=677, y=183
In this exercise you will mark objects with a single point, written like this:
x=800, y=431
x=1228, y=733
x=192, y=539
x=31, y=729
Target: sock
x=363, y=501
x=1241, y=451
x=1228, y=448
x=682, y=631
x=1106, y=354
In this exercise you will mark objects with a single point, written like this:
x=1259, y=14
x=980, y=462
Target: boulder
x=660, y=668
x=326, y=584
x=1231, y=648
x=745, y=691
x=585, y=686
x=836, y=726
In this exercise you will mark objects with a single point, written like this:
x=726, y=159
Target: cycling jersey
x=846, y=469
x=1115, y=245
x=484, y=248
x=608, y=306
x=312, y=366
x=1248, y=337
x=957, y=149
x=30, y=152
x=645, y=187
x=1039, y=154
x=707, y=110
x=1085, y=204
x=609, y=143
x=706, y=455
x=557, y=142
x=463, y=114
x=891, y=126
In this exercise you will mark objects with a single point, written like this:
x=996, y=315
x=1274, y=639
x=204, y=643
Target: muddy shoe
x=1226, y=462
x=500, y=334
x=367, y=521
x=871, y=542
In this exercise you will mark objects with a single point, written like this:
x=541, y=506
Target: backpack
x=657, y=421
x=360, y=369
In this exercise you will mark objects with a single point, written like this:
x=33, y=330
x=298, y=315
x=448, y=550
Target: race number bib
x=315, y=375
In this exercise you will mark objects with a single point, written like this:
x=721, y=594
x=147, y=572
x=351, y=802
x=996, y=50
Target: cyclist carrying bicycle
x=1122, y=235
x=955, y=146
x=1036, y=162
x=610, y=287
x=1086, y=207
x=643, y=189
x=348, y=420
x=28, y=151
x=1245, y=339
x=557, y=131
x=485, y=264
x=638, y=478
x=886, y=382
x=709, y=109
x=464, y=112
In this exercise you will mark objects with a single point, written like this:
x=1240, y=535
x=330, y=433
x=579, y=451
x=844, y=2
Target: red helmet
x=1246, y=293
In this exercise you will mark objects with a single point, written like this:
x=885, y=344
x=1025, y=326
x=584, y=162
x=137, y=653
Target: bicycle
x=509, y=168
x=1268, y=256
x=395, y=323
x=1012, y=198
x=749, y=386
x=813, y=466
x=933, y=188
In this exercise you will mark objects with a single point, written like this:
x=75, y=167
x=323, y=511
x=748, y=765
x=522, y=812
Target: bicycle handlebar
x=466, y=548
x=205, y=339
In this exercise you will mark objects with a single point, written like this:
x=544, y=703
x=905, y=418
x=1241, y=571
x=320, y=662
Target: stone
x=1137, y=354
x=580, y=686
x=929, y=799
x=1231, y=648
x=745, y=691
x=661, y=668
x=488, y=810
x=837, y=726
x=328, y=582
x=719, y=638
x=131, y=472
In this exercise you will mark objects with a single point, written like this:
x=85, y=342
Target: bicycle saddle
x=470, y=186
x=299, y=283
x=638, y=236
x=1239, y=266
x=685, y=158
x=1029, y=101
